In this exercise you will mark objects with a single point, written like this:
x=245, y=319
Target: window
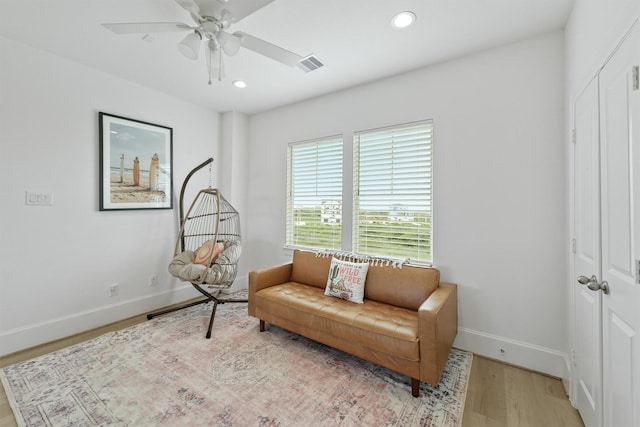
x=392, y=187
x=314, y=194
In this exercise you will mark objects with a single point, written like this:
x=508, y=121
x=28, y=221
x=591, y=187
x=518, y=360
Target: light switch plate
x=38, y=198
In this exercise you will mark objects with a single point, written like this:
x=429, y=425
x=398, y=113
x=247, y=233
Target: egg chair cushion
x=221, y=272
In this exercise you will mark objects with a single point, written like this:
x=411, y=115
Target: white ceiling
x=353, y=38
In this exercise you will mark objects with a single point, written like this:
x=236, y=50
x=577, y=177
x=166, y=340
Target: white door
x=587, y=304
x=620, y=195
x=607, y=233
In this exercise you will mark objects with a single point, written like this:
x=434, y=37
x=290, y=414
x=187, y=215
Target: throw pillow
x=204, y=257
x=346, y=280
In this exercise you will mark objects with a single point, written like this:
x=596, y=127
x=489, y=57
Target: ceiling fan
x=212, y=18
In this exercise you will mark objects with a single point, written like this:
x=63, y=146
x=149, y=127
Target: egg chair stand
x=207, y=249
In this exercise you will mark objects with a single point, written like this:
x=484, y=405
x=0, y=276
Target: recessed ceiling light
x=403, y=19
x=240, y=84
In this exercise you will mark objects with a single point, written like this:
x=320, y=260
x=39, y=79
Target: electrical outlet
x=114, y=290
x=153, y=280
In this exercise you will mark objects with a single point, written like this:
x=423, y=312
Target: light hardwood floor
x=498, y=395
x=501, y=395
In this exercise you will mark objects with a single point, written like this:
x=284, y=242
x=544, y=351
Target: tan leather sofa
x=407, y=323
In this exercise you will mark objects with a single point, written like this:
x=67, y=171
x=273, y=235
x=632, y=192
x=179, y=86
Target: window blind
x=393, y=191
x=314, y=194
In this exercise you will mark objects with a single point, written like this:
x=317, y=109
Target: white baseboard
x=35, y=334
x=43, y=332
x=529, y=356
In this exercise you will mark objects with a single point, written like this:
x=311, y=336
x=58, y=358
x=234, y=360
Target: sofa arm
x=437, y=329
x=266, y=277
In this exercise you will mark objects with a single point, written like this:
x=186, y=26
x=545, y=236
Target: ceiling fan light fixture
x=241, y=84
x=403, y=19
x=230, y=42
x=190, y=45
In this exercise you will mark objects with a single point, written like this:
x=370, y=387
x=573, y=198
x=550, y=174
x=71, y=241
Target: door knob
x=592, y=284
x=604, y=286
x=584, y=280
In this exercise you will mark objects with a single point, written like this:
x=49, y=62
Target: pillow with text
x=346, y=280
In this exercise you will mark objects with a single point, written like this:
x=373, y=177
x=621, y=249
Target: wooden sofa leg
x=415, y=387
x=261, y=325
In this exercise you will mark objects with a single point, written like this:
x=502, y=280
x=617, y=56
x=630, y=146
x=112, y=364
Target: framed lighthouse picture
x=136, y=160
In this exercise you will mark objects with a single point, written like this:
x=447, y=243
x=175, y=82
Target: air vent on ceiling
x=310, y=63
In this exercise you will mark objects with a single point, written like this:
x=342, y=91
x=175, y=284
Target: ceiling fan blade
x=239, y=9
x=190, y=6
x=146, y=27
x=193, y=8
x=268, y=49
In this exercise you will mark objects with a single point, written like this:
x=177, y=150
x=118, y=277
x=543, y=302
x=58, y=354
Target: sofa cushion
x=406, y=287
x=346, y=280
x=310, y=269
x=388, y=329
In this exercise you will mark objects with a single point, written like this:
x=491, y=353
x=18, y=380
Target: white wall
x=56, y=262
x=499, y=186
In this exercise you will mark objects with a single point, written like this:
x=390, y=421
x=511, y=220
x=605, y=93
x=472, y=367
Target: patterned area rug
x=164, y=372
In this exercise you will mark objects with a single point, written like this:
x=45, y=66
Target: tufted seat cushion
x=393, y=329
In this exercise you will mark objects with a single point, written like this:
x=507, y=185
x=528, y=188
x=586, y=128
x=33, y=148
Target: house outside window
x=331, y=212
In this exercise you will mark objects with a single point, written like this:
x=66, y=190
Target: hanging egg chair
x=208, y=247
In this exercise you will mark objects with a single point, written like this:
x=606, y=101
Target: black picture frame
x=136, y=164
